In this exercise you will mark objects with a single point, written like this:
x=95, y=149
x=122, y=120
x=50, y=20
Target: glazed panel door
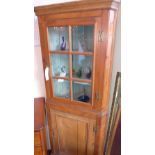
x=72, y=135
x=71, y=57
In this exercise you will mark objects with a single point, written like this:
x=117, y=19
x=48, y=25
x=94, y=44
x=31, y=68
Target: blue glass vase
x=63, y=44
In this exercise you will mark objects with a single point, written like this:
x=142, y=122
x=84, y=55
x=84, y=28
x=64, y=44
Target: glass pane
x=61, y=88
x=58, y=38
x=81, y=91
x=60, y=65
x=82, y=66
x=83, y=38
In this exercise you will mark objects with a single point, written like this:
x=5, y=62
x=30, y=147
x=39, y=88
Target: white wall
x=39, y=85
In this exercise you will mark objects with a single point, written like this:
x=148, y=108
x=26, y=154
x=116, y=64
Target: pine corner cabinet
x=77, y=43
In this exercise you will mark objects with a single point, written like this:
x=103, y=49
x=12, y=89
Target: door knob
x=47, y=73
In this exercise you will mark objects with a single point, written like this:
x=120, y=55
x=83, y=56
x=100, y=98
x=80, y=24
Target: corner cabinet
x=77, y=42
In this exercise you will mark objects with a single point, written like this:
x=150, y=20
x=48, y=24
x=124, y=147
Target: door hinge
x=95, y=128
x=100, y=36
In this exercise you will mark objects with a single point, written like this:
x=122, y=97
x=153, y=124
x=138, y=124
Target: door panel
x=73, y=135
x=67, y=137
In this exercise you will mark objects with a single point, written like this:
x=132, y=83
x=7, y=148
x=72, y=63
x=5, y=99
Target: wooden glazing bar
x=69, y=52
x=83, y=53
x=59, y=52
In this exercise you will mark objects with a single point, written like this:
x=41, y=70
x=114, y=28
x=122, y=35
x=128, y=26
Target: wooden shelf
x=73, y=79
x=83, y=53
x=81, y=80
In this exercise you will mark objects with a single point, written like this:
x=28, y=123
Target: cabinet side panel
x=112, y=20
x=100, y=57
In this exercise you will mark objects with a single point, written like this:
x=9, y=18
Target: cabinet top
x=83, y=5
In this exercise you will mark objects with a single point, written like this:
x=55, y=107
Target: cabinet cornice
x=76, y=6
